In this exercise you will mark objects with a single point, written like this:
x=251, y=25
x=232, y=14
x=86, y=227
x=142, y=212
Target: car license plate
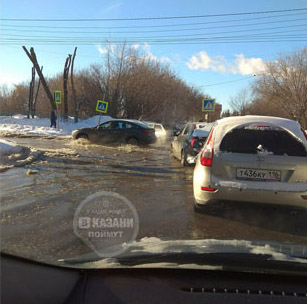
x=260, y=175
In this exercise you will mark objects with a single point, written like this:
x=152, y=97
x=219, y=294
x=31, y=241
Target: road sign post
x=102, y=107
x=58, y=100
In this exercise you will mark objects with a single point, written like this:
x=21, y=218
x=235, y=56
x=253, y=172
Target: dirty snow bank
x=8, y=147
x=13, y=155
x=19, y=124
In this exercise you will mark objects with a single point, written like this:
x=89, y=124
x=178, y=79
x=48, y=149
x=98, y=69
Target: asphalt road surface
x=37, y=210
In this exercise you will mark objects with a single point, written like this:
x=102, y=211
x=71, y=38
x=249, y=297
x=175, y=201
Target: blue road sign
x=208, y=105
x=102, y=106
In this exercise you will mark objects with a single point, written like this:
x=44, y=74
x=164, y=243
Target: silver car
x=253, y=159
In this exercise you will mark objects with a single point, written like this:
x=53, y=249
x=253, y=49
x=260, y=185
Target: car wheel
x=198, y=208
x=206, y=209
x=82, y=136
x=132, y=141
x=172, y=152
x=183, y=159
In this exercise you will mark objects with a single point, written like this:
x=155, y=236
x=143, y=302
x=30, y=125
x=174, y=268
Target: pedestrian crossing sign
x=102, y=106
x=57, y=97
x=208, y=105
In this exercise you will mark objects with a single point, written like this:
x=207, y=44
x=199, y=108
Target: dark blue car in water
x=127, y=131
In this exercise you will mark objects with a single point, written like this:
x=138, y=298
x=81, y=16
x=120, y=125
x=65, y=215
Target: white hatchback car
x=253, y=159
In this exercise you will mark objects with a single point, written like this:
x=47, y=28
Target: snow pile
x=13, y=155
x=19, y=124
x=200, y=133
x=8, y=147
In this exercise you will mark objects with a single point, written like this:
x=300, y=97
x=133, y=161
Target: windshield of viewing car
x=106, y=149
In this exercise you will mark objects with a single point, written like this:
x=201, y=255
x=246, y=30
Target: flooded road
x=37, y=210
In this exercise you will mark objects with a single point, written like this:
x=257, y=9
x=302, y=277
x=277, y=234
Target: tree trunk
x=32, y=57
x=35, y=99
x=74, y=99
x=65, y=80
x=31, y=92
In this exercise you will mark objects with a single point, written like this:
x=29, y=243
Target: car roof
x=224, y=125
x=126, y=120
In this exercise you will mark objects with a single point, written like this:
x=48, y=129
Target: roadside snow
x=19, y=124
x=8, y=147
x=13, y=155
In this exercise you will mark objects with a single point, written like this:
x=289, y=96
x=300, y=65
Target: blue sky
x=219, y=68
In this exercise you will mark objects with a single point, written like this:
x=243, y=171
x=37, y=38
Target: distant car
x=159, y=129
x=253, y=159
x=118, y=131
x=188, y=142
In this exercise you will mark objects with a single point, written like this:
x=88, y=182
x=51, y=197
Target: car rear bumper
x=250, y=195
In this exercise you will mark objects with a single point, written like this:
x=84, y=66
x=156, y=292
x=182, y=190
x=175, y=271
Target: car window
x=251, y=139
x=158, y=127
x=106, y=125
x=128, y=125
x=120, y=125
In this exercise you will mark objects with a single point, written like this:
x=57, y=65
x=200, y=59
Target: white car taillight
x=206, y=155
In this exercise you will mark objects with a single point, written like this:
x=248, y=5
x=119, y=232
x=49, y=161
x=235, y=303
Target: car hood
x=83, y=129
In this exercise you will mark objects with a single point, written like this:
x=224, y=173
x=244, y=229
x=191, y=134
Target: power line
x=156, y=18
x=150, y=26
x=157, y=31
x=225, y=82
x=148, y=38
x=157, y=42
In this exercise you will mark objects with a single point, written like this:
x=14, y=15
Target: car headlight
x=74, y=132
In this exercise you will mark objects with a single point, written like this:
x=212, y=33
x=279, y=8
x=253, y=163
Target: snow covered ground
x=19, y=124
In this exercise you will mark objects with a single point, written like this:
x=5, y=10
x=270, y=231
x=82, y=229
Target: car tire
x=132, y=141
x=172, y=152
x=205, y=209
x=82, y=136
x=198, y=208
x=183, y=159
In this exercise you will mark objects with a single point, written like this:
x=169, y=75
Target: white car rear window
x=262, y=138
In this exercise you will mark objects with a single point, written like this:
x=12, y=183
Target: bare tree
x=285, y=85
x=31, y=94
x=32, y=57
x=74, y=96
x=65, y=81
x=240, y=102
x=36, y=95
